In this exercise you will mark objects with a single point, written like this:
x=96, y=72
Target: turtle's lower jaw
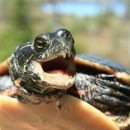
x=58, y=73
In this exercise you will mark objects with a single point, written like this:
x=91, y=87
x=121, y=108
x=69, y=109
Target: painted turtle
x=48, y=68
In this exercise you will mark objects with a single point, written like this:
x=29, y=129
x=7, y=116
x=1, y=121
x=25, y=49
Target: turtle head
x=51, y=45
x=54, y=58
x=49, y=62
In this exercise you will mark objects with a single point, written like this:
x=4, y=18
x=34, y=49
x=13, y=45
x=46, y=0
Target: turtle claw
x=105, y=79
x=112, y=101
x=116, y=86
x=113, y=94
x=116, y=94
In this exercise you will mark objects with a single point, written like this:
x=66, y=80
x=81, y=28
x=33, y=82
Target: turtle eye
x=40, y=43
x=62, y=34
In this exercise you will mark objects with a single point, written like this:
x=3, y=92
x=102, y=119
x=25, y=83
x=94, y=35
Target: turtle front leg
x=113, y=93
x=107, y=95
x=101, y=93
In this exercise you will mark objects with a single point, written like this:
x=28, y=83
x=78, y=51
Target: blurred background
x=100, y=27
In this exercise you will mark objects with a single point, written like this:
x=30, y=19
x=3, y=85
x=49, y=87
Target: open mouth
x=59, y=65
x=57, y=73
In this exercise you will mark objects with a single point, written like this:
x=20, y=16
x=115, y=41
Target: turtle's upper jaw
x=57, y=73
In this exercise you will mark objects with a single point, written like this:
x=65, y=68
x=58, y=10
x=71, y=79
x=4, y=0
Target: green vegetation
x=106, y=35
x=18, y=28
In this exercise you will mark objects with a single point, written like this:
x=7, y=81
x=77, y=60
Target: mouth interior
x=59, y=72
x=59, y=65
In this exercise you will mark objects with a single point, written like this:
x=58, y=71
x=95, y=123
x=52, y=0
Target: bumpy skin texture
x=106, y=92
x=111, y=97
x=45, y=47
x=55, y=46
x=102, y=87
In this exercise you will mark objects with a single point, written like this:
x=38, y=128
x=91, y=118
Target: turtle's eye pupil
x=39, y=43
x=63, y=34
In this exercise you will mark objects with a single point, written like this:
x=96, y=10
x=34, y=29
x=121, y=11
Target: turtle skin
x=98, y=84
x=107, y=94
x=97, y=81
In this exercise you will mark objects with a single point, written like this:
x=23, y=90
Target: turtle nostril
x=68, y=35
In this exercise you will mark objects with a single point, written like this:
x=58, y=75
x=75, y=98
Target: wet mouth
x=58, y=72
x=59, y=65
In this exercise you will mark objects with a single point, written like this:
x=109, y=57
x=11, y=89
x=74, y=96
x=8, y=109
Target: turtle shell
x=93, y=64
x=4, y=66
x=110, y=93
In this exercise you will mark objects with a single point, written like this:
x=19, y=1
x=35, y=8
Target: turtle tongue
x=58, y=72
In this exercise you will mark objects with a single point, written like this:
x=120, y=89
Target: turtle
x=48, y=67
